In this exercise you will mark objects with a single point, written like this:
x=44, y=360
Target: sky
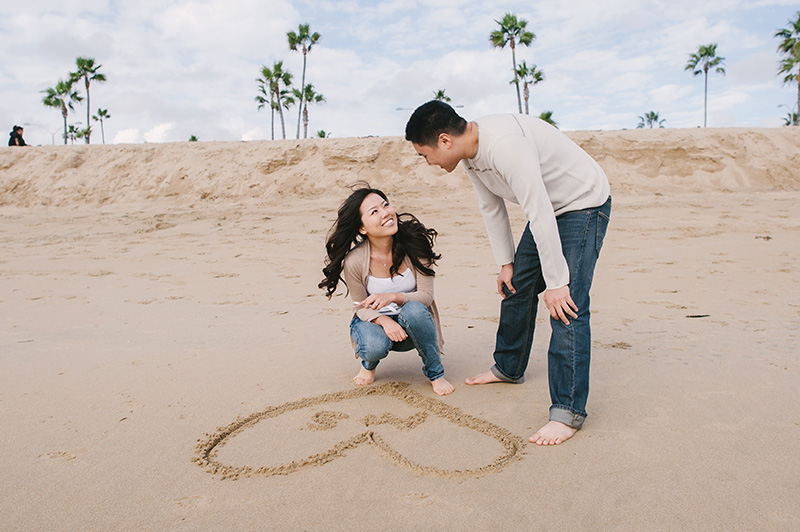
x=177, y=68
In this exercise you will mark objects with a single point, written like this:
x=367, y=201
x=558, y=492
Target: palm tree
x=102, y=114
x=441, y=96
x=303, y=39
x=511, y=32
x=529, y=76
x=73, y=133
x=89, y=72
x=547, y=116
x=790, y=47
x=61, y=97
x=270, y=83
x=650, y=119
x=192, y=138
x=323, y=134
x=308, y=95
x=266, y=97
x=700, y=63
x=83, y=133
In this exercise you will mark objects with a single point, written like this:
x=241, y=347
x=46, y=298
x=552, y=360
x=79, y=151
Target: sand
x=168, y=363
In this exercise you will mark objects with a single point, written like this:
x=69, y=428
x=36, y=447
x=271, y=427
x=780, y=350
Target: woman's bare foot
x=365, y=376
x=442, y=387
x=484, y=378
x=553, y=433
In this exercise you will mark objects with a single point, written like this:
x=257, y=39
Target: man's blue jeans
x=582, y=234
x=372, y=344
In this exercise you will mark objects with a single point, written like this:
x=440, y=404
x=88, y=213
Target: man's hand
x=504, y=278
x=560, y=304
x=392, y=329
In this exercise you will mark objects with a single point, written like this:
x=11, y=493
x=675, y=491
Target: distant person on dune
x=566, y=198
x=15, y=137
x=387, y=262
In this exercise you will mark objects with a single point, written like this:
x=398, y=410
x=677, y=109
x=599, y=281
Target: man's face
x=442, y=155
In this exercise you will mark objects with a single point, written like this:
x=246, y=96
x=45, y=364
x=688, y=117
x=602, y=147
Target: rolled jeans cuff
x=567, y=417
x=505, y=378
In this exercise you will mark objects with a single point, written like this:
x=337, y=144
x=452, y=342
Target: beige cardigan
x=356, y=273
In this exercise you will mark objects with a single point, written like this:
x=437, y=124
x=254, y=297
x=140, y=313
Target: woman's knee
x=371, y=345
x=372, y=351
x=414, y=310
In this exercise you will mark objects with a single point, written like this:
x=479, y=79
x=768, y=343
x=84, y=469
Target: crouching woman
x=386, y=261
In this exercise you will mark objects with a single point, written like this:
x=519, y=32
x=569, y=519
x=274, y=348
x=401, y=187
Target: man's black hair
x=432, y=119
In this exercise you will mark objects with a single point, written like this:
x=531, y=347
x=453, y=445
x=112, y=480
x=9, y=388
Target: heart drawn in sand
x=339, y=427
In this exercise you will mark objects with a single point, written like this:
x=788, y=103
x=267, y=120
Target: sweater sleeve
x=495, y=218
x=355, y=278
x=518, y=162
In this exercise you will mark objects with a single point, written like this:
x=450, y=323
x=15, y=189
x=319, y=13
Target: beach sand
x=167, y=361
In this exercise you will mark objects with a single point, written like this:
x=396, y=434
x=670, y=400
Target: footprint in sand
x=423, y=434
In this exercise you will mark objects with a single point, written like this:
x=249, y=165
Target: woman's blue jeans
x=372, y=344
x=581, y=234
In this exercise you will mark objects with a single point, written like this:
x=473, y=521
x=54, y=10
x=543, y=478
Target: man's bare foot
x=365, y=376
x=484, y=378
x=553, y=433
x=442, y=387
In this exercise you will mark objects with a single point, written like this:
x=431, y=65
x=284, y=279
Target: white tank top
x=403, y=283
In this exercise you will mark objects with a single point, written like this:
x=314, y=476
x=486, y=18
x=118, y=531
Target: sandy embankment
x=159, y=299
x=637, y=162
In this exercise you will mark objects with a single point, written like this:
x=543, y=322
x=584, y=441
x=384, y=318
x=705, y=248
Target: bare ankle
x=364, y=377
x=553, y=433
x=487, y=377
x=442, y=387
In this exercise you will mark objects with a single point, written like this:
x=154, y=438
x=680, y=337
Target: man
x=566, y=198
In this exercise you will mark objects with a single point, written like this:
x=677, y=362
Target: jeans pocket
x=602, y=226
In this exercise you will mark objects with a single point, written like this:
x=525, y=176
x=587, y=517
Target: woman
x=15, y=137
x=386, y=261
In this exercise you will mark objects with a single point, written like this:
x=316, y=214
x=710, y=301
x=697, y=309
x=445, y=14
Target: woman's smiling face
x=378, y=218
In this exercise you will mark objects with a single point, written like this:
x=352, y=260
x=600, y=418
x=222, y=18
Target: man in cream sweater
x=566, y=198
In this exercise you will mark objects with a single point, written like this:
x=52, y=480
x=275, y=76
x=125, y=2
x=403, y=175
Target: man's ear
x=445, y=141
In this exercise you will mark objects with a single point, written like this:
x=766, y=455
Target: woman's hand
x=378, y=301
x=392, y=329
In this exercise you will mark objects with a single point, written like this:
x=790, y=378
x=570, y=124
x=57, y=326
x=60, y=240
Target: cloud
x=158, y=133
x=127, y=136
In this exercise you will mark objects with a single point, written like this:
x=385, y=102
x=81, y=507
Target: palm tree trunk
x=305, y=121
x=797, y=122
x=302, y=90
x=283, y=123
x=705, y=100
x=88, y=111
x=280, y=110
x=516, y=79
x=102, y=131
x=64, y=114
x=272, y=114
x=527, y=95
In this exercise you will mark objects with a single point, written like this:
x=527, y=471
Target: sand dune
x=636, y=161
